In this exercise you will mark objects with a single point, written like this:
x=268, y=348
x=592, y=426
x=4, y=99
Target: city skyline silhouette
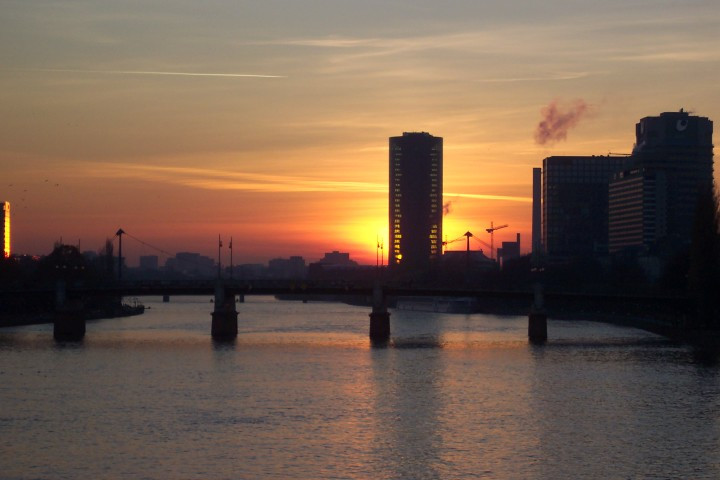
x=270, y=124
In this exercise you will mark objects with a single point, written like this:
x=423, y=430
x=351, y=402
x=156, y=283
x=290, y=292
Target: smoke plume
x=557, y=120
x=447, y=208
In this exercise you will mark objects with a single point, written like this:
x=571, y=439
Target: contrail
x=139, y=72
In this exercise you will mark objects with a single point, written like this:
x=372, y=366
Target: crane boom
x=491, y=231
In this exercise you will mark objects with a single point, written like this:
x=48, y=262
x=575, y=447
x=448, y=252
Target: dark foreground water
x=303, y=395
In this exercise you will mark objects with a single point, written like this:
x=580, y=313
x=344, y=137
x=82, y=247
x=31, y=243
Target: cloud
x=215, y=179
x=558, y=120
x=139, y=72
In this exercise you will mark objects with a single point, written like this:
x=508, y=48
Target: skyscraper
x=416, y=196
x=536, y=214
x=642, y=203
x=653, y=201
x=575, y=204
x=6, y=229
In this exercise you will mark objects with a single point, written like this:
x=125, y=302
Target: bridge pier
x=379, y=318
x=166, y=298
x=537, y=319
x=224, y=315
x=69, y=320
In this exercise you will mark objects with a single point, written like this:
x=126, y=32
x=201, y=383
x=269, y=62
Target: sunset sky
x=268, y=121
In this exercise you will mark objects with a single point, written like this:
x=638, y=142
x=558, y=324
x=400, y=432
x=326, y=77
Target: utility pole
x=120, y=233
x=231, y=261
x=379, y=252
x=382, y=253
x=467, y=247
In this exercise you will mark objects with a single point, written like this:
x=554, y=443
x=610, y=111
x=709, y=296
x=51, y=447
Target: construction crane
x=467, y=235
x=491, y=231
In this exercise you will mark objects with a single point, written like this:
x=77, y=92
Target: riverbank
x=37, y=318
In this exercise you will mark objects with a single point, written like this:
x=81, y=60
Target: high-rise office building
x=637, y=214
x=416, y=196
x=653, y=201
x=6, y=229
x=536, y=214
x=642, y=202
x=575, y=204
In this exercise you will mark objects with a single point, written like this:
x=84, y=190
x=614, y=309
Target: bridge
x=70, y=301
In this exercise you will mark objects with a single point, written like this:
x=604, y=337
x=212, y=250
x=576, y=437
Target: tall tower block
x=416, y=196
x=6, y=229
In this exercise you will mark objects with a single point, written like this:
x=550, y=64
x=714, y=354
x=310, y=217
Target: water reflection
x=407, y=382
x=617, y=408
x=224, y=345
x=706, y=357
x=422, y=341
x=301, y=394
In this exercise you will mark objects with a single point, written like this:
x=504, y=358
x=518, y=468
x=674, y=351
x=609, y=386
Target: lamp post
x=120, y=233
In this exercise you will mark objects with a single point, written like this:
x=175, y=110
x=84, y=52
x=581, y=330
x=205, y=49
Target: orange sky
x=269, y=121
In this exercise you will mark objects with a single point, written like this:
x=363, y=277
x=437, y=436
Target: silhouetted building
x=653, y=201
x=6, y=229
x=192, y=264
x=637, y=209
x=509, y=251
x=537, y=213
x=464, y=260
x=416, y=195
x=336, y=258
x=149, y=262
x=575, y=204
x=293, y=267
x=337, y=266
x=251, y=270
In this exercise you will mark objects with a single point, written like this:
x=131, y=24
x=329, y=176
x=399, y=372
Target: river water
x=302, y=394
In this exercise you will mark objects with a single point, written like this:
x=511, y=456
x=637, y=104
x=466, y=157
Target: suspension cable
x=165, y=252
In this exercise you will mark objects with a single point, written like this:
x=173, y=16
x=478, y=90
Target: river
x=302, y=394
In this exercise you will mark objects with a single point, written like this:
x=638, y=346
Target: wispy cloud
x=672, y=55
x=141, y=72
x=214, y=179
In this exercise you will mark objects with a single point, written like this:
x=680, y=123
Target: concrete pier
x=166, y=298
x=69, y=321
x=537, y=327
x=537, y=319
x=69, y=324
x=379, y=318
x=224, y=315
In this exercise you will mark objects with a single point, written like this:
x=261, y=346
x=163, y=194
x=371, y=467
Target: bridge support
x=537, y=319
x=69, y=321
x=379, y=318
x=224, y=315
x=166, y=298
